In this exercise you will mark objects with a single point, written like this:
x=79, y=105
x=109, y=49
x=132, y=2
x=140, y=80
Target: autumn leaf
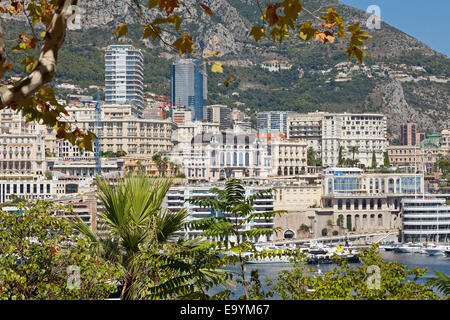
x=121, y=30
x=30, y=43
x=257, y=33
x=217, y=67
x=205, y=8
x=214, y=53
x=324, y=36
x=328, y=25
x=168, y=5
x=358, y=36
x=270, y=14
x=227, y=82
x=306, y=32
x=356, y=52
x=292, y=9
x=184, y=44
x=151, y=31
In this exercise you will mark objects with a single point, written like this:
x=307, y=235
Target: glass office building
x=188, y=85
x=124, y=75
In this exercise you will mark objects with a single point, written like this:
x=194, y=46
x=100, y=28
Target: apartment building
x=326, y=133
x=410, y=136
x=220, y=114
x=124, y=75
x=307, y=127
x=82, y=168
x=122, y=130
x=36, y=189
x=175, y=201
x=272, y=122
x=367, y=132
x=22, y=148
x=414, y=157
x=188, y=85
x=289, y=156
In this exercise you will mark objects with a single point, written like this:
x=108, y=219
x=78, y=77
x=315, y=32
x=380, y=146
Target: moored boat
x=435, y=251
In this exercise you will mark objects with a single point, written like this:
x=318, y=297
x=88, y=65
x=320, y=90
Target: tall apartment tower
x=272, y=122
x=409, y=134
x=124, y=75
x=188, y=85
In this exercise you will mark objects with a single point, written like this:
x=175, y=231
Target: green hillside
x=81, y=62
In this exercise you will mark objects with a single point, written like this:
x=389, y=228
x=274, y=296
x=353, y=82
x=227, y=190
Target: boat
x=391, y=247
x=403, y=249
x=409, y=248
x=278, y=258
x=349, y=254
x=447, y=252
x=269, y=260
x=435, y=250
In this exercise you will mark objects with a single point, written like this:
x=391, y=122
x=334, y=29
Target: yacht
x=391, y=247
x=447, y=251
x=349, y=254
x=404, y=249
x=279, y=258
x=435, y=250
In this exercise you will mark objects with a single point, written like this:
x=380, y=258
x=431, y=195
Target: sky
x=425, y=20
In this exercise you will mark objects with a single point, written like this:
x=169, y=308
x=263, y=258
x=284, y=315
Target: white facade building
x=124, y=75
x=328, y=132
x=175, y=201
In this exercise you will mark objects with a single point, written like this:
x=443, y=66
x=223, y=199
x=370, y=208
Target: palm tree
x=233, y=209
x=340, y=157
x=441, y=282
x=353, y=150
x=161, y=163
x=132, y=219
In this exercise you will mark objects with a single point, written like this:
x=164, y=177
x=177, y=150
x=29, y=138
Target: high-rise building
x=220, y=114
x=124, y=75
x=188, y=85
x=408, y=133
x=272, y=122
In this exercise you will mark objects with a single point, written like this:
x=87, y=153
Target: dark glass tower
x=188, y=85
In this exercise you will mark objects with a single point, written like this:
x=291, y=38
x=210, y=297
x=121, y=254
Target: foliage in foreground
x=232, y=210
x=39, y=254
x=139, y=236
x=355, y=282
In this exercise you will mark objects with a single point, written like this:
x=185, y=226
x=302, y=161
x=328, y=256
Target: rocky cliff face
x=398, y=111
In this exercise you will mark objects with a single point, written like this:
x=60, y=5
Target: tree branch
x=3, y=55
x=46, y=68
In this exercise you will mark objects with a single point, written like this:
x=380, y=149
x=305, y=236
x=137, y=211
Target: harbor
x=390, y=252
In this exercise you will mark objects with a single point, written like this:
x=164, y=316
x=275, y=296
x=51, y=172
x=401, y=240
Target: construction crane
x=166, y=108
x=98, y=132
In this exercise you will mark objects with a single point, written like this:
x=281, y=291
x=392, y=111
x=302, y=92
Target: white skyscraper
x=124, y=75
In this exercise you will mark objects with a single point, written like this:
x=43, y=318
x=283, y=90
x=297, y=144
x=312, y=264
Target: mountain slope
x=299, y=89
